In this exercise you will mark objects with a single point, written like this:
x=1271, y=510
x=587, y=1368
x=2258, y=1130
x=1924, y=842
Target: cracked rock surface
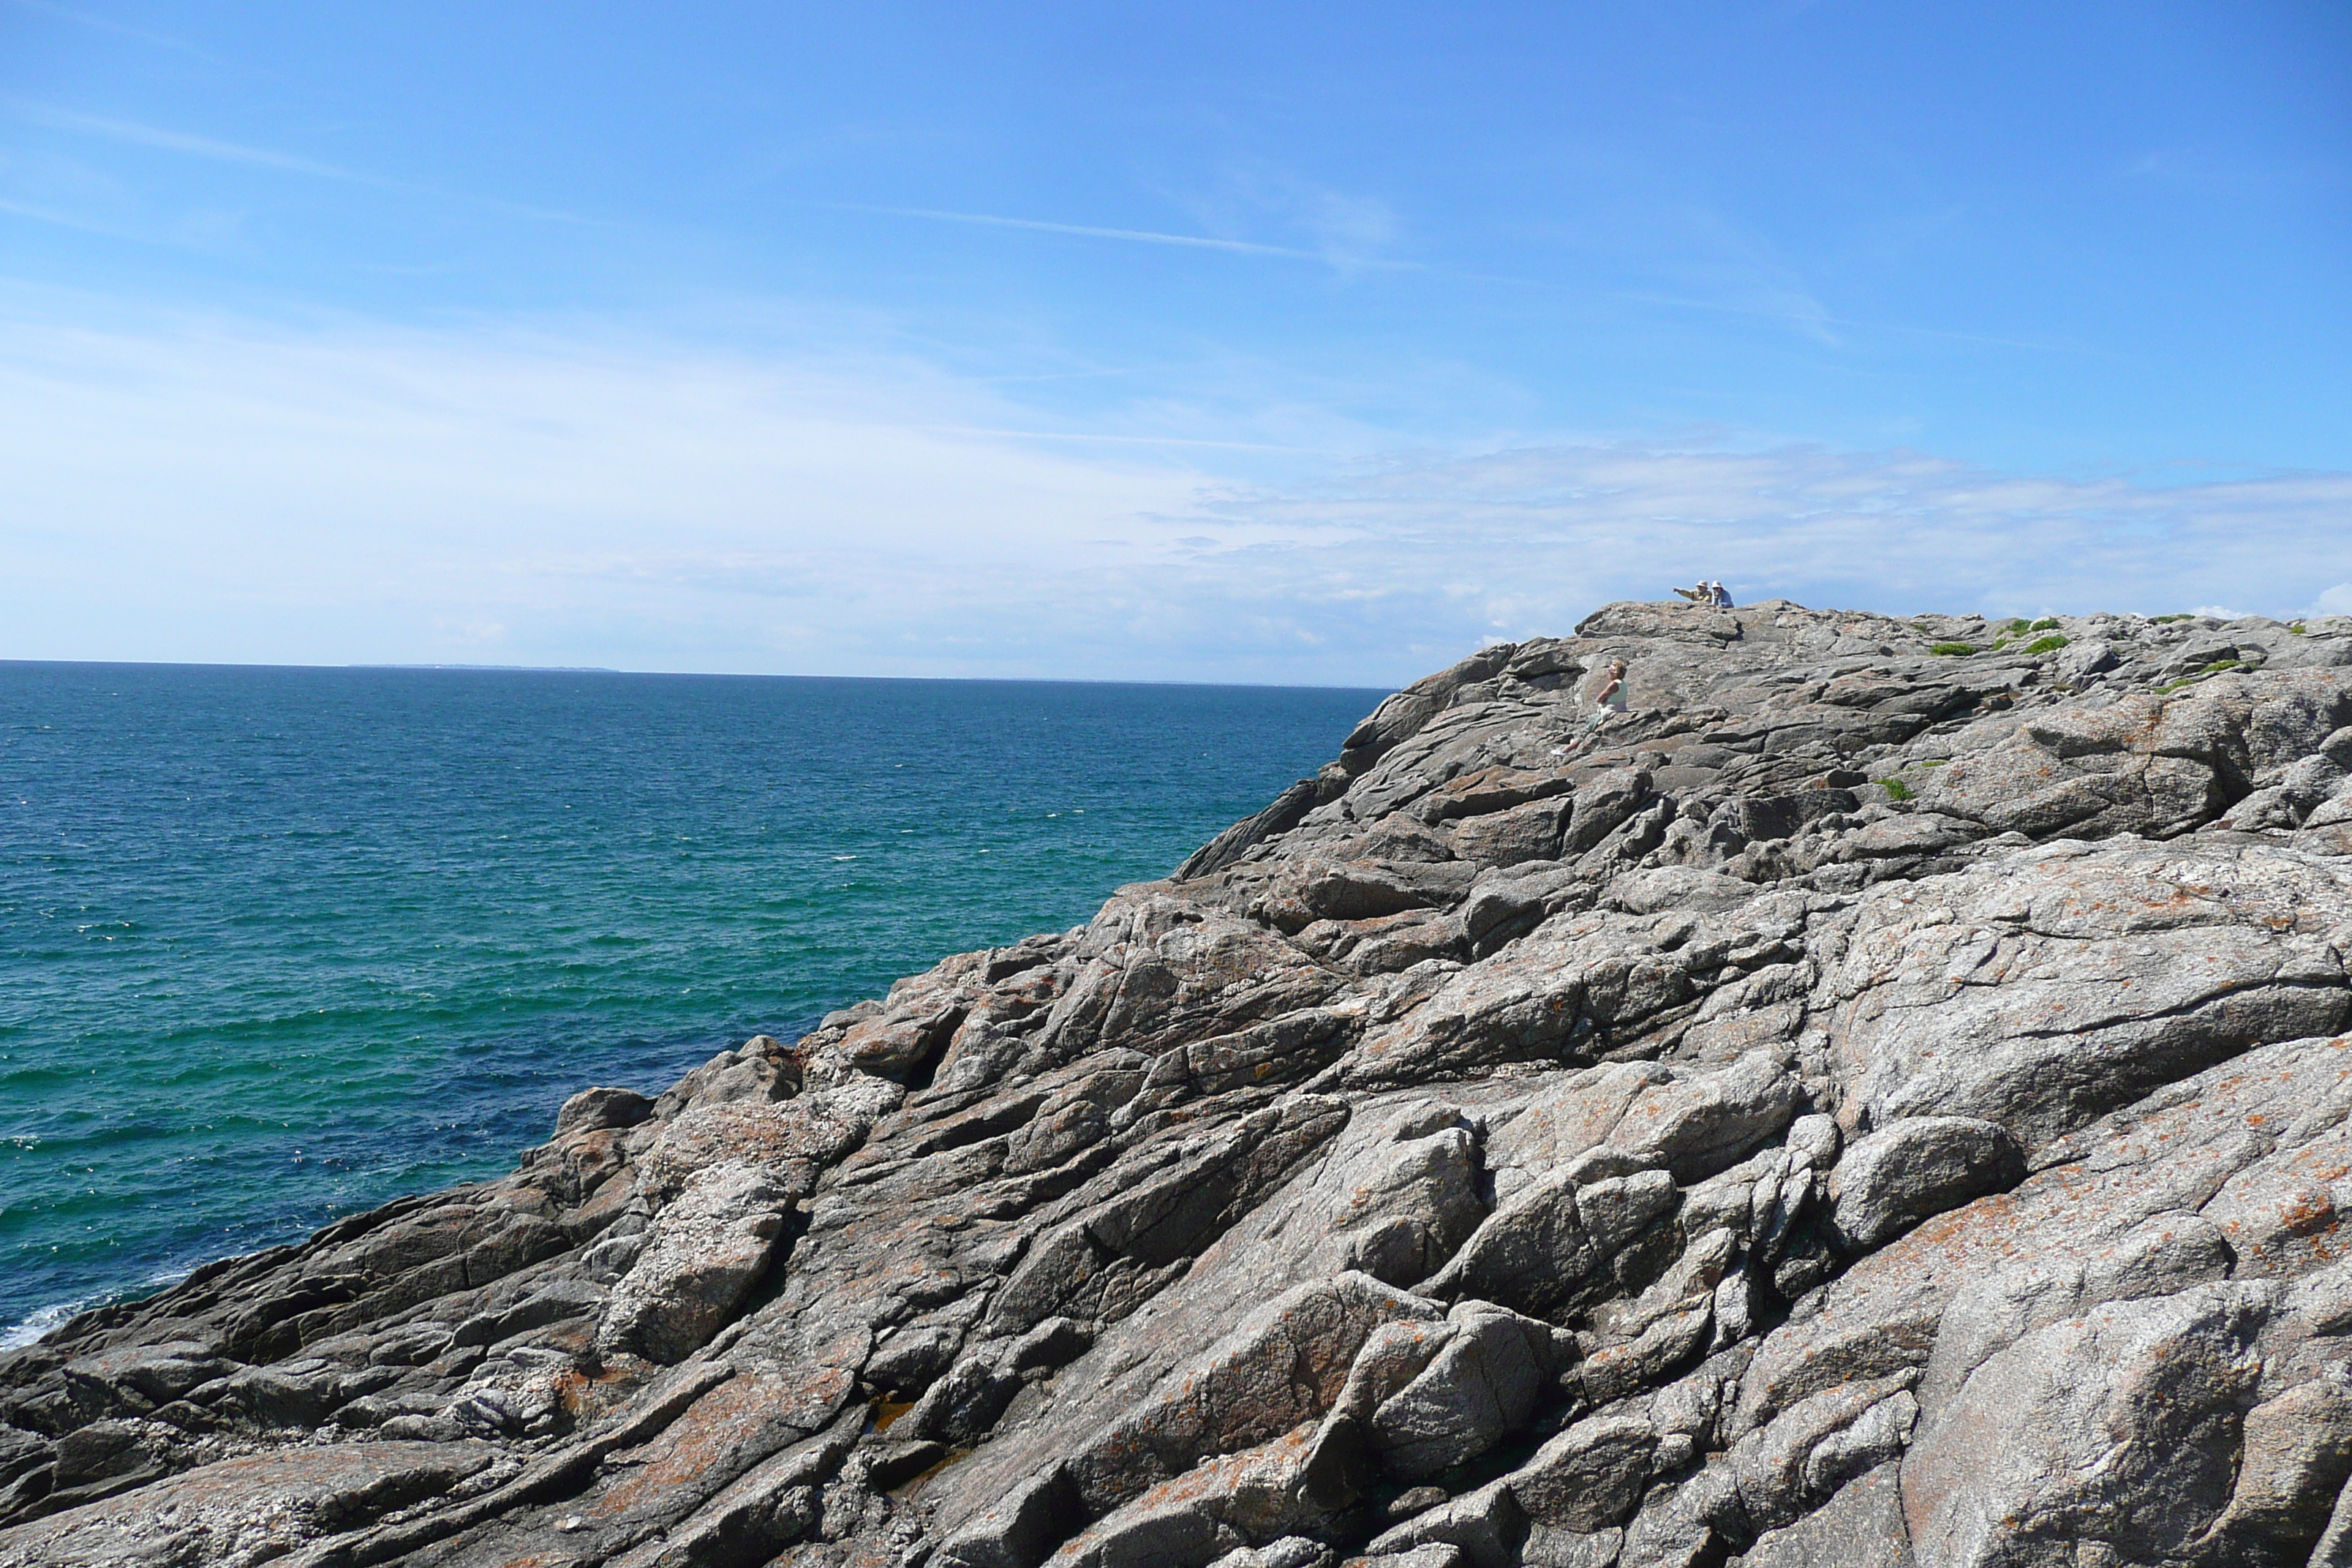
x=1859, y=1108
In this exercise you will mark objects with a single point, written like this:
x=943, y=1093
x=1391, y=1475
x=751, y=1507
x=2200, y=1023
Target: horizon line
x=679, y=674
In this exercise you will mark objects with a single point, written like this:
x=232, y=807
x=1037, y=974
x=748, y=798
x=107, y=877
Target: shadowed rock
x=1859, y=1108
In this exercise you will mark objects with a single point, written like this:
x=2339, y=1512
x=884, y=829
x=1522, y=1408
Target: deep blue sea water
x=280, y=944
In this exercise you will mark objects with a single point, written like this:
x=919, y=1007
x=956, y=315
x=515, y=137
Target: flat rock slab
x=1859, y=1106
x=248, y=1510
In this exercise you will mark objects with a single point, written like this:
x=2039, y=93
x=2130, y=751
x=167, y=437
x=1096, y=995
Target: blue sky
x=1288, y=344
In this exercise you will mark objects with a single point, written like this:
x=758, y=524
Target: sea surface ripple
x=279, y=944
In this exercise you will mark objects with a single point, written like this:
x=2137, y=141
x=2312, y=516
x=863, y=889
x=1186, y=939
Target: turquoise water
x=280, y=944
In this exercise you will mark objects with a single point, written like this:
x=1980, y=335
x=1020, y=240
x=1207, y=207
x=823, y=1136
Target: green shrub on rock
x=1953, y=649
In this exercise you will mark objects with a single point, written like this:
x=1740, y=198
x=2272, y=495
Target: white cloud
x=165, y=140
x=360, y=493
x=344, y=491
x=1136, y=235
x=1527, y=540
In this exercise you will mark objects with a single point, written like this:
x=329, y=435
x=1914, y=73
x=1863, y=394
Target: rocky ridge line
x=1866, y=1105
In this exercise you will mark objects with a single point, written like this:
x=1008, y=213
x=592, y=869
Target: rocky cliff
x=1879, y=1101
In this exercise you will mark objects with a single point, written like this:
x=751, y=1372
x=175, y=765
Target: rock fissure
x=1861, y=1108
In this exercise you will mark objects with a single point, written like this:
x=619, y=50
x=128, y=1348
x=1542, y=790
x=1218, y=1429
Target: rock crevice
x=1859, y=1106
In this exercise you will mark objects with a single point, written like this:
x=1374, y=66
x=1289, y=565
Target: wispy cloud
x=1136, y=235
x=163, y=139
x=2228, y=171
x=1120, y=439
x=76, y=221
x=348, y=491
x=194, y=146
x=1814, y=320
x=1248, y=194
x=119, y=29
x=1531, y=534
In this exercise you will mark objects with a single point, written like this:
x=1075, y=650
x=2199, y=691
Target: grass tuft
x=1895, y=789
x=1953, y=649
x=2047, y=623
x=2160, y=620
x=2046, y=645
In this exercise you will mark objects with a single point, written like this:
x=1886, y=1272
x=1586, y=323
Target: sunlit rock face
x=1861, y=1105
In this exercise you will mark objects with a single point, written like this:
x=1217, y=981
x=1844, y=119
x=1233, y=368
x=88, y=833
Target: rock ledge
x=1862, y=1106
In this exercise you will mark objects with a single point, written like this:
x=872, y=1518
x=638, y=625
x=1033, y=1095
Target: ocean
x=280, y=944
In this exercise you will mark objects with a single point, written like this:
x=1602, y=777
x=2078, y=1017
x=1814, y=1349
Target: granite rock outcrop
x=1880, y=1102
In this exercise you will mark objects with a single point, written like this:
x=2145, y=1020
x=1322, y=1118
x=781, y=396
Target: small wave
x=412, y=894
x=845, y=856
x=165, y=1279
x=18, y=1334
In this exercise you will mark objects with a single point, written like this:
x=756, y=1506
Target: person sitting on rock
x=1699, y=595
x=1718, y=595
x=1608, y=696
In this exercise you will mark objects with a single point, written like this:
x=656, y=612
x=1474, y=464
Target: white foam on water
x=18, y=1334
